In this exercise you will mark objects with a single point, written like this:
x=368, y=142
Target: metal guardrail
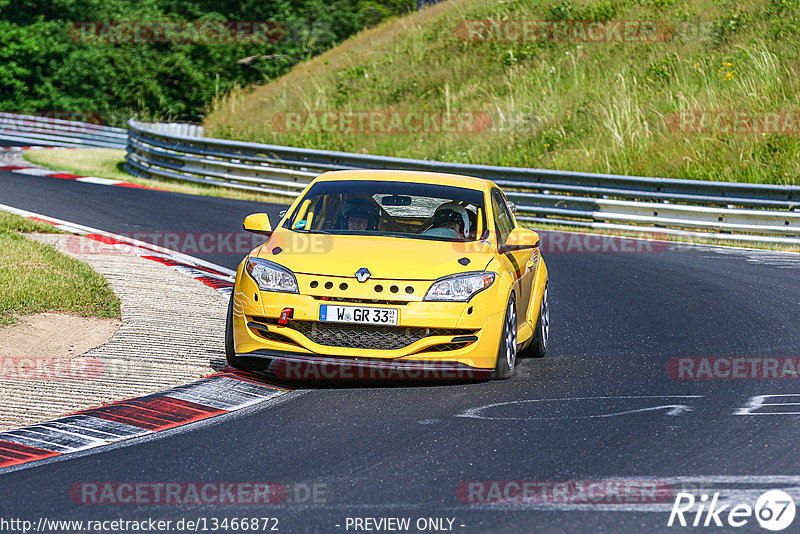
x=177, y=128
x=57, y=132
x=713, y=210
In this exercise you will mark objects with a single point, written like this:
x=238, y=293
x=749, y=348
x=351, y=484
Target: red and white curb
x=217, y=394
x=49, y=173
x=37, y=148
x=212, y=275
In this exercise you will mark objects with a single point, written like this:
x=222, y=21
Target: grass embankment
x=35, y=278
x=109, y=162
x=583, y=106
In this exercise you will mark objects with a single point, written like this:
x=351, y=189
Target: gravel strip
x=13, y=156
x=172, y=332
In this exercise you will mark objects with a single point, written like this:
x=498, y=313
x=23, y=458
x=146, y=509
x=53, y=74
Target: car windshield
x=399, y=209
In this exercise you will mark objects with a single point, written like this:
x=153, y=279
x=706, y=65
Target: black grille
x=272, y=336
x=374, y=337
x=444, y=347
x=364, y=301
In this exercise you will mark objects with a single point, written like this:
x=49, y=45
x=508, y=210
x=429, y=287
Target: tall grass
x=598, y=107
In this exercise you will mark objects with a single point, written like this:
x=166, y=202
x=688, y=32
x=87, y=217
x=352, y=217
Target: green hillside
x=712, y=94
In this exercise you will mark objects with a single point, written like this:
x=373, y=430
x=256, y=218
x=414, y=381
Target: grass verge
x=108, y=163
x=36, y=278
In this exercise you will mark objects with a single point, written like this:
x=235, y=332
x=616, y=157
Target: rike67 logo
x=774, y=510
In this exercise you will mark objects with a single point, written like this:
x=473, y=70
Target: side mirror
x=258, y=223
x=519, y=239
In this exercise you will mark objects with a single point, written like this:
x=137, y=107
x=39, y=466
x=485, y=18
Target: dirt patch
x=55, y=335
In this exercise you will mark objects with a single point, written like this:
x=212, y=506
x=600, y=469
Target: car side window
x=502, y=218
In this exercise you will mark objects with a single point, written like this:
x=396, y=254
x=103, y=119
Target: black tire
x=230, y=352
x=541, y=336
x=244, y=364
x=507, y=351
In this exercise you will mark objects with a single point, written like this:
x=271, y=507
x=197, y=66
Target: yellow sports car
x=390, y=274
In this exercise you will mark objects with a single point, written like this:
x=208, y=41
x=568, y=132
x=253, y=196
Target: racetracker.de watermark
x=77, y=368
x=568, y=31
x=300, y=370
x=733, y=368
x=198, y=493
x=734, y=122
x=49, y=368
x=574, y=242
x=186, y=32
x=583, y=31
x=565, y=492
x=561, y=242
x=192, y=243
x=50, y=121
x=382, y=122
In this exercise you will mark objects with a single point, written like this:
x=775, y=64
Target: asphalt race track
x=152, y=216
x=6, y=142
x=600, y=406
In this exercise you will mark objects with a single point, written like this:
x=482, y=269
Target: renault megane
x=394, y=270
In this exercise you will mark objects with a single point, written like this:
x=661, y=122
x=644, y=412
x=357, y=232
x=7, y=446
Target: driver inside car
x=449, y=220
x=358, y=215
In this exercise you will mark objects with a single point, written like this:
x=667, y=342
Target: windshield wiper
x=393, y=234
x=304, y=231
x=421, y=236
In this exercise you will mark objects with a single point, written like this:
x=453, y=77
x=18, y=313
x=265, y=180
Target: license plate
x=357, y=314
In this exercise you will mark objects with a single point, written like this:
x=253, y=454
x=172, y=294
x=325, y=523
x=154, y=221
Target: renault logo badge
x=362, y=274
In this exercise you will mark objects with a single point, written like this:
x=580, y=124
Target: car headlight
x=459, y=287
x=271, y=276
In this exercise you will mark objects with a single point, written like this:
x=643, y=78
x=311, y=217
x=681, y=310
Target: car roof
x=439, y=178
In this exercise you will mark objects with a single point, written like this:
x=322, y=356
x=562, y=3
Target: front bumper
x=299, y=366
x=451, y=336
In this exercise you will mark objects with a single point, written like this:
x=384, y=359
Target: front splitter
x=299, y=366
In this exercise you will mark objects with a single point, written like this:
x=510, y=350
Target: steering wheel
x=443, y=232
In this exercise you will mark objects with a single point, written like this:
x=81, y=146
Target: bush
x=45, y=68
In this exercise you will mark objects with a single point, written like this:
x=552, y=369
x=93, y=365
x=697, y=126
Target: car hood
x=392, y=258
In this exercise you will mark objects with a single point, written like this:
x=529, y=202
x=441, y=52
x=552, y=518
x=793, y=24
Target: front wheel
x=230, y=349
x=541, y=336
x=507, y=352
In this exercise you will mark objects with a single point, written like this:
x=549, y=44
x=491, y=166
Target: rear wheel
x=507, y=352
